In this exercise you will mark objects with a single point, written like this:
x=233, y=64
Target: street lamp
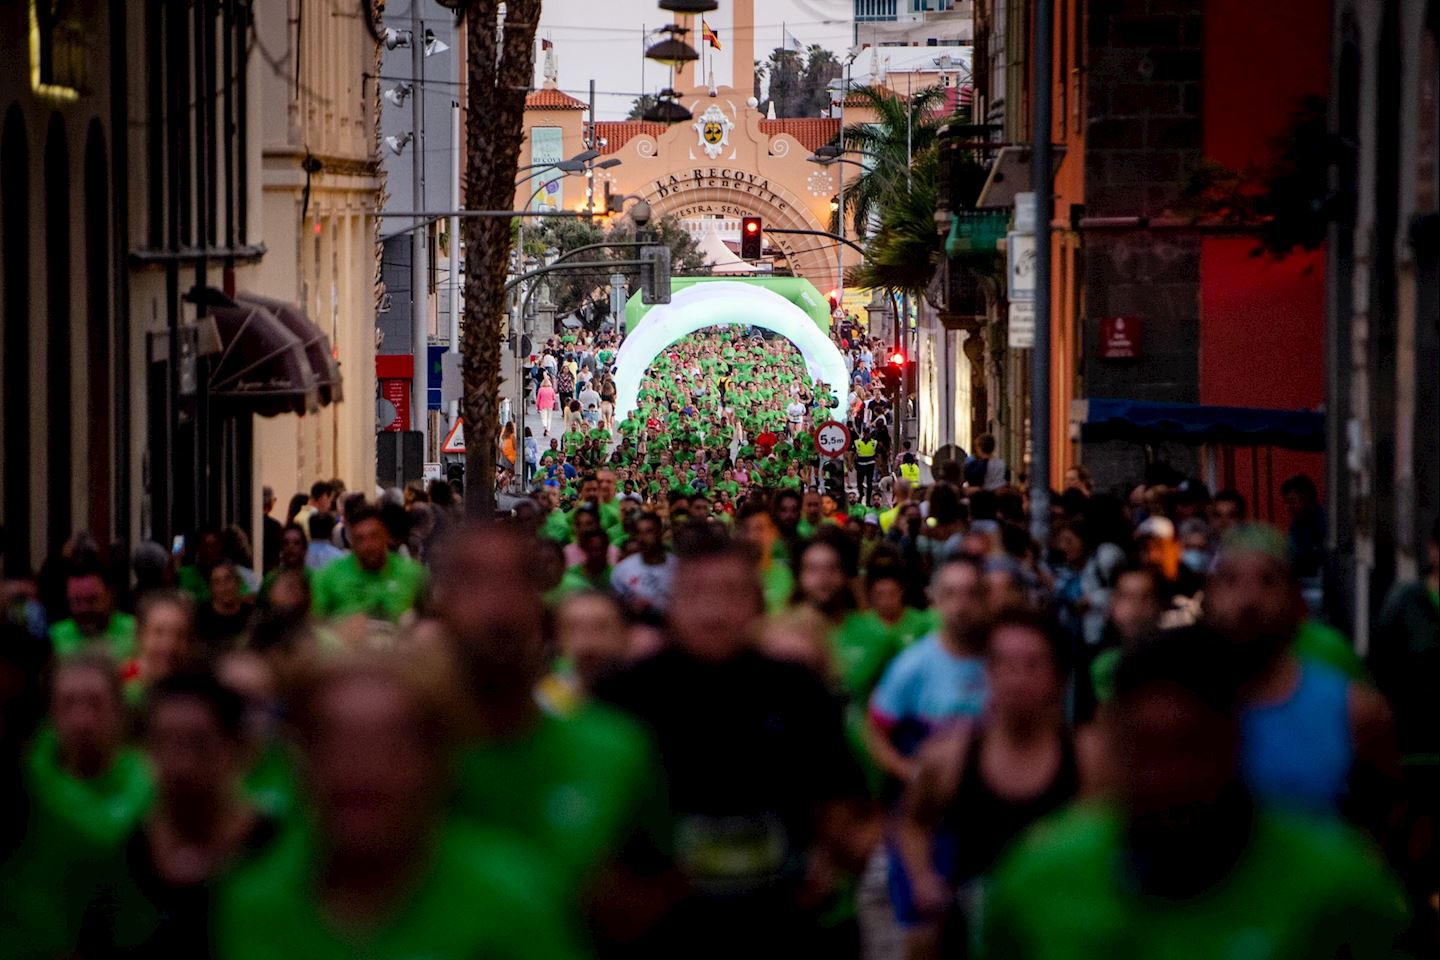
x=434, y=44
x=667, y=108
x=672, y=52
x=397, y=144
x=398, y=93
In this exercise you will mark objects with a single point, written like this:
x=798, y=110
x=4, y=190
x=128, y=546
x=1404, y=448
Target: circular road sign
x=832, y=439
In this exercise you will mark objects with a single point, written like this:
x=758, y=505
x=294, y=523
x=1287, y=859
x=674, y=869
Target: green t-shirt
x=864, y=644
x=482, y=894
x=343, y=587
x=1301, y=890
x=53, y=883
x=117, y=639
x=584, y=788
x=106, y=807
x=1324, y=644
x=575, y=580
x=777, y=583
x=571, y=440
x=556, y=526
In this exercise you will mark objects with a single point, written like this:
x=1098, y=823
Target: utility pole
x=454, y=305
x=1040, y=170
x=419, y=273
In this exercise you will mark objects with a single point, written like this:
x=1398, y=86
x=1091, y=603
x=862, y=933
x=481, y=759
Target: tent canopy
x=1143, y=421
x=722, y=260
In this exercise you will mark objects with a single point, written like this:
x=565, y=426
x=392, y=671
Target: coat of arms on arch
x=713, y=130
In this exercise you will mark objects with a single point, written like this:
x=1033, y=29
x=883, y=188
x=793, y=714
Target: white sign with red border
x=832, y=439
x=454, y=442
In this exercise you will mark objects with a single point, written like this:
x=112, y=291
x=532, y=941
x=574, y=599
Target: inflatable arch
x=716, y=303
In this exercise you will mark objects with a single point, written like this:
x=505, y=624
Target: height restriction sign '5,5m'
x=832, y=439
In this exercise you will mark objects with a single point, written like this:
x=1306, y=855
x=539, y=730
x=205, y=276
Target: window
x=58, y=352
x=15, y=261
x=1427, y=126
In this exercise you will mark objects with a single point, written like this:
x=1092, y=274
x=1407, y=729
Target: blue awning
x=1141, y=421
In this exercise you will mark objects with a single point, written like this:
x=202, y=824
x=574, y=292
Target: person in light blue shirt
x=321, y=551
x=940, y=679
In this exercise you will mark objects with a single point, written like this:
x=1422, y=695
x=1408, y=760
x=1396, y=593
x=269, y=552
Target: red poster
x=1120, y=338
x=398, y=393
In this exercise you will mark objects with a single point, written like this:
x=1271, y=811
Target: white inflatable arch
x=726, y=303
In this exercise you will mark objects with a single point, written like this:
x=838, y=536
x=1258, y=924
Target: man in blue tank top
x=1312, y=739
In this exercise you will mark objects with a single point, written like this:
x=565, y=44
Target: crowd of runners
x=721, y=413
x=700, y=696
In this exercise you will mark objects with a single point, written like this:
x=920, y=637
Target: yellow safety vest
x=911, y=472
x=865, y=450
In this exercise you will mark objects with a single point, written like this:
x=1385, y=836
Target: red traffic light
x=751, y=243
x=898, y=358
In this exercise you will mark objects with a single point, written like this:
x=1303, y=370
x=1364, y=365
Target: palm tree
x=902, y=253
x=903, y=132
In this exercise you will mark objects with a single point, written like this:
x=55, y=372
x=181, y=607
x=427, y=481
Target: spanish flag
x=709, y=35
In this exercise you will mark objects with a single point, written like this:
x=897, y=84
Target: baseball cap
x=1158, y=527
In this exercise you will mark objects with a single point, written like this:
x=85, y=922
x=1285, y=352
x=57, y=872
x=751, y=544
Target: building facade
x=1382, y=300
x=320, y=184
x=145, y=344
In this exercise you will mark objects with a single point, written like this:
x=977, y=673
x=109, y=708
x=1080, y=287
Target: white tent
x=722, y=260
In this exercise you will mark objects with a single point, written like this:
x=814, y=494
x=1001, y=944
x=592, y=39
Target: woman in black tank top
x=982, y=786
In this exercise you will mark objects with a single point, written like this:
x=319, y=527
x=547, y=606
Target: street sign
x=832, y=439
x=435, y=386
x=1120, y=338
x=1020, y=254
x=1022, y=324
x=433, y=471
x=455, y=439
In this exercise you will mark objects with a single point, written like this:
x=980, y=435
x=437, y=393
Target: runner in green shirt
x=372, y=579
x=53, y=874
x=1184, y=865
x=93, y=620
x=82, y=764
x=578, y=786
x=380, y=872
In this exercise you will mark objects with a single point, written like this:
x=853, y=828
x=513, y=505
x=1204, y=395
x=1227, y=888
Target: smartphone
x=177, y=546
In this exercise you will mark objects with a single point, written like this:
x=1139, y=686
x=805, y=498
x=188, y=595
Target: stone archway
x=708, y=188
x=726, y=303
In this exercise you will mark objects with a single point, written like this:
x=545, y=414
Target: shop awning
x=316, y=344
x=272, y=359
x=1141, y=421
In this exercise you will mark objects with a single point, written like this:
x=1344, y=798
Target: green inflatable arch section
x=797, y=290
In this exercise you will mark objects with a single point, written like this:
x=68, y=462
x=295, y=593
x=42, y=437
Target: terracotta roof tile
x=549, y=98
x=812, y=132
x=616, y=133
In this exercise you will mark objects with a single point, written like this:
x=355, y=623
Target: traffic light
x=655, y=274
x=898, y=358
x=752, y=234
